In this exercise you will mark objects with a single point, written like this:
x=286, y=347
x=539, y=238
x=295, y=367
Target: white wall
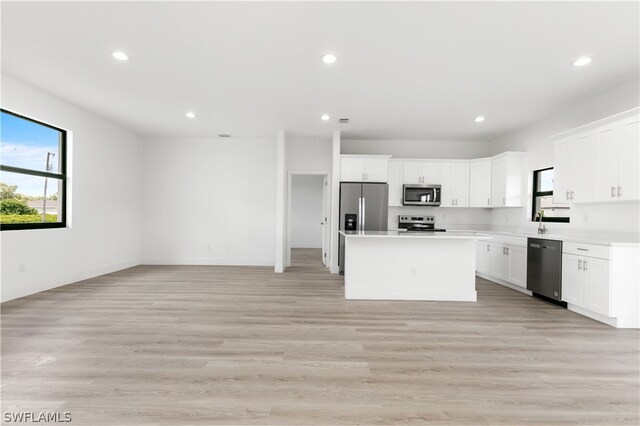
x=208, y=201
x=418, y=148
x=104, y=184
x=536, y=141
x=306, y=211
x=309, y=155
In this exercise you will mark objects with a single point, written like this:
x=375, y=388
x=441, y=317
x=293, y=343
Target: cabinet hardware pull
x=488, y=201
x=488, y=249
x=582, y=249
x=584, y=265
x=566, y=197
x=619, y=191
x=613, y=191
x=572, y=195
x=504, y=200
x=579, y=264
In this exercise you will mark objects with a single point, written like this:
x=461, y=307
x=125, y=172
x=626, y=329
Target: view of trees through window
x=32, y=173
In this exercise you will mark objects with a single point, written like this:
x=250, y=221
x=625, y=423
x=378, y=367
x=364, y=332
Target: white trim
x=11, y=293
x=613, y=322
x=204, y=261
x=597, y=123
x=290, y=175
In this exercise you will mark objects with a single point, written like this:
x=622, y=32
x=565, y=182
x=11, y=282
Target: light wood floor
x=230, y=345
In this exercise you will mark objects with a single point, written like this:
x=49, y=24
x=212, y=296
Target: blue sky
x=25, y=144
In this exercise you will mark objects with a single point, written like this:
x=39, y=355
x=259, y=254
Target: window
x=543, y=198
x=32, y=173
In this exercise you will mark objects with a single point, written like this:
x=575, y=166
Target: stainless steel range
x=418, y=224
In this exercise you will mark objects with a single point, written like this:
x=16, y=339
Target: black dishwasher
x=544, y=268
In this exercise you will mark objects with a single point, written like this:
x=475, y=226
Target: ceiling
x=404, y=70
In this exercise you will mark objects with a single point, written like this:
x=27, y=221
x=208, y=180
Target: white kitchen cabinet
x=507, y=179
x=574, y=159
x=499, y=261
x=480, y=182
x=421, y=172
x=483, y=257
x=586, y=283
x=517, y=265
x=395, y=182
x=454, y=178
x=504, y=260
x=607, y=140
x=630, y=159
x=364, y=168
x=617, y=163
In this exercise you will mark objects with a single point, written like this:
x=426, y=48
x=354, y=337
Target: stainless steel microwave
x=421, y=195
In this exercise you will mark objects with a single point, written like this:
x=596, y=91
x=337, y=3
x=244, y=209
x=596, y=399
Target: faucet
x=541, y=228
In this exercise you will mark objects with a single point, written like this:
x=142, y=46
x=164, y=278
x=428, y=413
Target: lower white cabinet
x=517, y=265
x=506, y=262
x=586, y=283
x=483, y=257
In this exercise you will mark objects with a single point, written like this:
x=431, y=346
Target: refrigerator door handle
x=359, y=214
x=364, y=208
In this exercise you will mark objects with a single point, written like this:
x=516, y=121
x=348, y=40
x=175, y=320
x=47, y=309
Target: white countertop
x=599, y=239
x=449, y=235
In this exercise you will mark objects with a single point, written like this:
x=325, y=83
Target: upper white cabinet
x=574, y=159
x=395, y=182
x=364, y=168
x=629, y=178
x=506, y=179
x=454, y=178
x=599, y=165
x=421, y=172
x=480, y=182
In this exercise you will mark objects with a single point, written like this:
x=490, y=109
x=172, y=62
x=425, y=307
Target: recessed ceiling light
x=121, y=56
x=311, y=137
x=325, y=117
x=580, y=62
x=190, y=114
x=329, y=58
x=479, y=119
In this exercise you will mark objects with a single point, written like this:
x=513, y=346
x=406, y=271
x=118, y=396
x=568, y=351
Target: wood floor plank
x=191, y=345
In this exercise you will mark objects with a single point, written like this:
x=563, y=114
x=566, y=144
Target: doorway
x=308, y=219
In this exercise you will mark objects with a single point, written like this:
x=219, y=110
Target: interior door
x=375, y=198
x=325, y=219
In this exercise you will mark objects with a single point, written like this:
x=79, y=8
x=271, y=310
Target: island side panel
x=405, y=268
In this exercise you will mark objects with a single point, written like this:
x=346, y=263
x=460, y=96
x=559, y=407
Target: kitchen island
x=395, y=265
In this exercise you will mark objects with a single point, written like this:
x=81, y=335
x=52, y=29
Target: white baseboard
x=594, y=315
x=207, y=261
x=12, y=293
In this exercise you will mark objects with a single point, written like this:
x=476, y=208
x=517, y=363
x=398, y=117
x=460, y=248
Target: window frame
x=537, y=194
x=62, y=175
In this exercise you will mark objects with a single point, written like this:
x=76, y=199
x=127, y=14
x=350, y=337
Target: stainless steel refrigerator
x=363, y=207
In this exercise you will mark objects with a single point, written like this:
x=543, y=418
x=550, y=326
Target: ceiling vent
x=343, y=121
x=224, y=135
